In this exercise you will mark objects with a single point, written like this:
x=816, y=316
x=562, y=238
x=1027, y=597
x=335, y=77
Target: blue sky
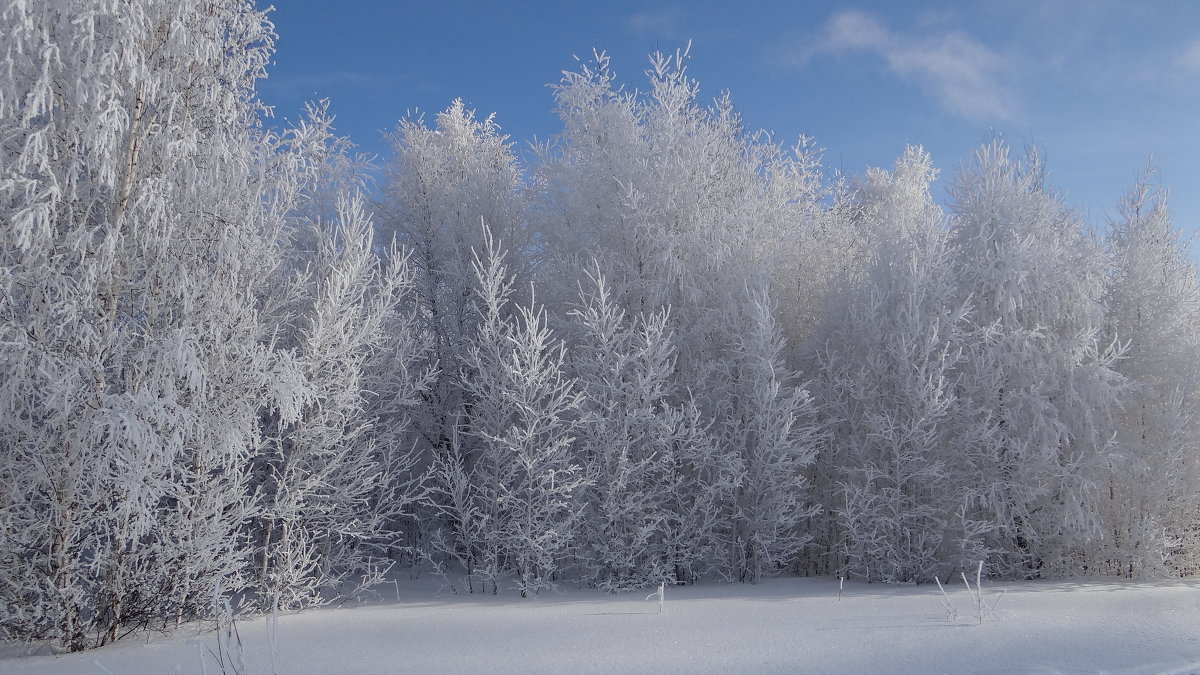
x=1099, y=86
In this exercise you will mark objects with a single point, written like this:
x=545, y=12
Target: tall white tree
x=441, y=184
x=773, y=433
x=668, y=196
x=133, y=363
x=1040, y=369
x=1153, y=507
x=635, y=444
x=897, y=458
x=511, y=492
x=681, y=209
x=332, y=492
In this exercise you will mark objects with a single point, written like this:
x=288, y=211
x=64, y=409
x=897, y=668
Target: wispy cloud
x=963, y=74
x=1189, y=58
x=664, y=23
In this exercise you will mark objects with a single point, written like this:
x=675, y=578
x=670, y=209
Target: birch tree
x=774, y=436
x=443, y=183
x=134, y=360
x=646, y=514
x=682, y=210
x=901, y=441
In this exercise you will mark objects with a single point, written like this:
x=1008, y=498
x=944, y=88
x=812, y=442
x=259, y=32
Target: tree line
x=658, y=349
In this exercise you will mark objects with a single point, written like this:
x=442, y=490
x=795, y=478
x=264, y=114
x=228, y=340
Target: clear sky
x=1098, y=86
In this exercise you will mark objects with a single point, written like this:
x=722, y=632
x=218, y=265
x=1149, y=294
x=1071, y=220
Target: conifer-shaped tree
x=1152, y=507
x=512, y=488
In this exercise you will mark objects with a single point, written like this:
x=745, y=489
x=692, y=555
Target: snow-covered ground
x=781, y=625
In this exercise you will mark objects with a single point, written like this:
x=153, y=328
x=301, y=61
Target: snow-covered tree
x=1039, y=369
x=771, y=431
x=682, y=210
x=900, y=441
x=666, y=195
x=328, y=488
x=133, y=362
x=441, y=184
x=633, y=443
x=511, y=489
x=1153, y=505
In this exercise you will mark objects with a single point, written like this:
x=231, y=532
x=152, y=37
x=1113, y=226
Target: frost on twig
x=660, y=594
x=947, y=603
x=978, y=602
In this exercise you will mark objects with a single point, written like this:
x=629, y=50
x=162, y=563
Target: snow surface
x=780, y=625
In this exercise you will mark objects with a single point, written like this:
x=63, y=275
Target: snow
x=780, y=625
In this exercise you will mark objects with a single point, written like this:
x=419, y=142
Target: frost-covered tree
x=666, y=195
x=511, y=489
x=634, y=444
x=392, y=342
x=771, y=431
x=331, y=492
x=1040, y=369
x=900, y=441
x=441, y=184
x=133, y=362
x=1153, y=505
x=681, y=209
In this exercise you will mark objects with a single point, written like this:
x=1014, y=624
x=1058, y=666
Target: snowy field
x=782, y=625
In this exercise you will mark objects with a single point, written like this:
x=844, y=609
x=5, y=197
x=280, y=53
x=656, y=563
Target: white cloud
x=962, y=73
x=855, y=30
x=1189, y=58
x=663, y=23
